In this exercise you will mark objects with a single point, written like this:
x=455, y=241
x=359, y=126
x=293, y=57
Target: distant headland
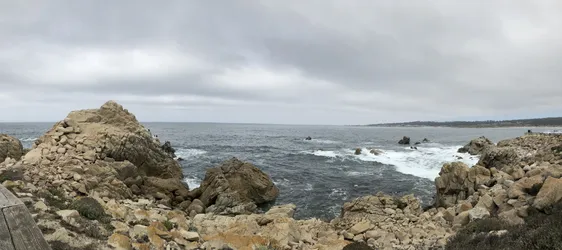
x=535, y=122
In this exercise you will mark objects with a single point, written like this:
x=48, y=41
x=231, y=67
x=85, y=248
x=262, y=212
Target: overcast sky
x=282, y=61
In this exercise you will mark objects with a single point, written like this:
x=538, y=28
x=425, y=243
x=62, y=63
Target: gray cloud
x=336, y=62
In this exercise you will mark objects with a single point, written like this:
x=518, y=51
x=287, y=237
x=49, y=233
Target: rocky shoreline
x=99, y=180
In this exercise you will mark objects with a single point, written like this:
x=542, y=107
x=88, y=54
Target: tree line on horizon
x=535, y=122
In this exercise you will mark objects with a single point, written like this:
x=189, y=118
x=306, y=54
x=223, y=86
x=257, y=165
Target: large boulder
x=236, y=187
x=499, y=158
x=457, y=181
x=477, y=146
x=549, y=194
x=10, y=147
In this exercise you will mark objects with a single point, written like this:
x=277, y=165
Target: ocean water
x=317, y=175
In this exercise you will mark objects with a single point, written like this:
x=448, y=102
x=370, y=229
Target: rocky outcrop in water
x=404, y=141
x=10, y=147
x=477, y=146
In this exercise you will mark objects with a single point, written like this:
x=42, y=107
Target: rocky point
x=99, y=180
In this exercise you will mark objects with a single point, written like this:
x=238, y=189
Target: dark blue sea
x=317, y=175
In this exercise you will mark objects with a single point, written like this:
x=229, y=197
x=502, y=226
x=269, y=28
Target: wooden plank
x=8, y=198
x=25, y=233
x=5, y=237
x=4, y=201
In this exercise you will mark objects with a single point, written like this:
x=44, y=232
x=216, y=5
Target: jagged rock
x=478, y=213
x=40, y=206
x=360, y=227
x=10, y=147
x=477, y=146
x=171, y=187
x=236, y=187
x=119, y=242
x=462, y=218
x=452, y=185
x=167, y=147
x=522, y=186
x=113, y=132
x=511, y=217
x=108, y=151
x=499, y=157
x=371, y=209
x=376, y=152
x=404, y=141
x=549, y=194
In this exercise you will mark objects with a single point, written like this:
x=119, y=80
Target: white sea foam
x=189, y=153
x=28, y=139
x=192, y=182
x=282, y=182
x=327, y=153
x=338, y=193
x=308, y=187
x=425, y=162
x=322, y=141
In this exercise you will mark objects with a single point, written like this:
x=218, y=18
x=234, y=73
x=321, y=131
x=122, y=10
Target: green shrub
x=89, y=208
x=11, y=175
x=59, y=245
x=54, y=197
x=169, y=225
x=540, y=231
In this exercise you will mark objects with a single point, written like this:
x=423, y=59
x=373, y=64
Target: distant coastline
x=549, y=122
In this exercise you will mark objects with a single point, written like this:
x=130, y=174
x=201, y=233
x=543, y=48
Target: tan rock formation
x=10, y=147
x=236, y=187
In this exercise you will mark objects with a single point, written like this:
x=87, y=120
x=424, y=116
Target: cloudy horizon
x=282, y=62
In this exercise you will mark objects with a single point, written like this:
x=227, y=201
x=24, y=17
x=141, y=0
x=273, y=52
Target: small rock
x=61, y=150
x=478, y=213
x=190, y=236
x=360, y=227
x=138, y=231
x=40, y=206
x=119, y=242
x=77, y=177
x=68, y=215
x=462, y=219
x=348, y=235
x=389, y=211
x=120, y=227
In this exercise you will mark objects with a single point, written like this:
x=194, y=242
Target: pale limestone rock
x=360, y=227
x=119, y=242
